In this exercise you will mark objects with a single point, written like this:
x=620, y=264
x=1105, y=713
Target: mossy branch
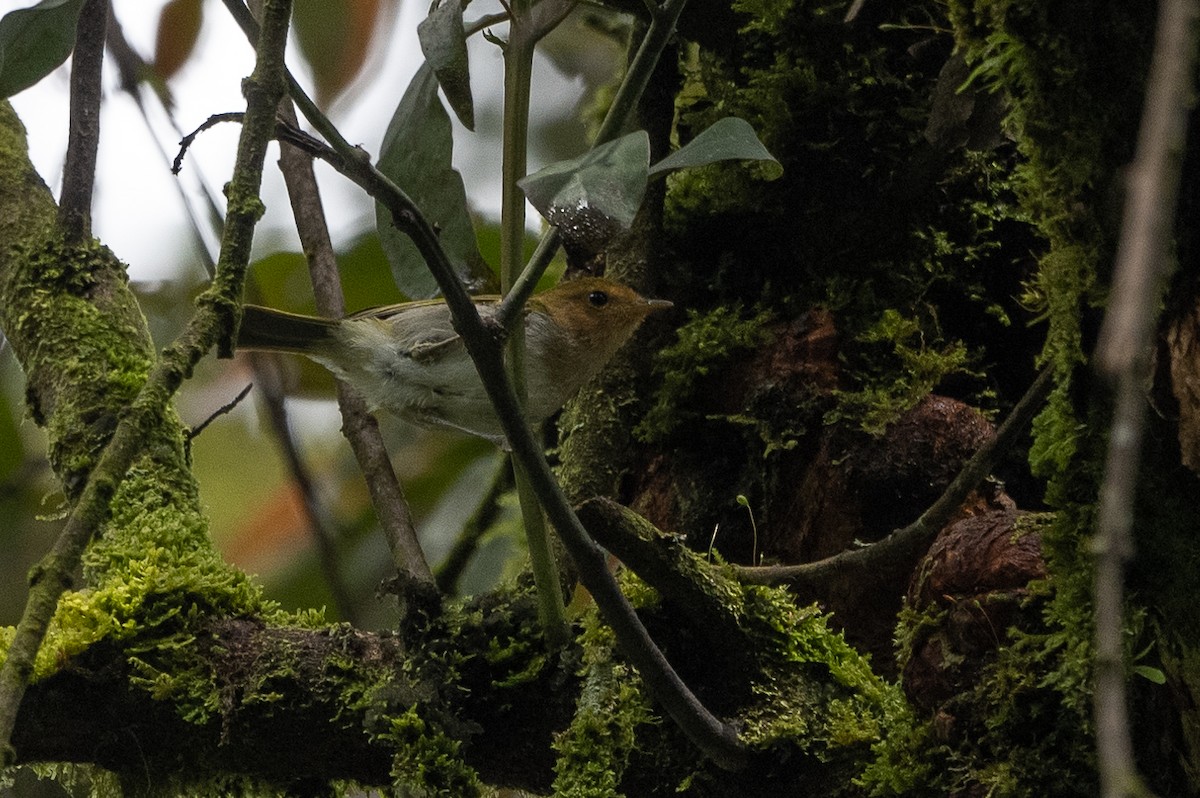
x=213, y=323
x=899, y=550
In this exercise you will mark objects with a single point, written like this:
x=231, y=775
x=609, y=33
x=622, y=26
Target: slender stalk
x=1143, y=263
x=637, y=76
x=518, y=75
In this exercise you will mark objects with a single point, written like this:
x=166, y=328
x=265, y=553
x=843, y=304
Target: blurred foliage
x=178, y=30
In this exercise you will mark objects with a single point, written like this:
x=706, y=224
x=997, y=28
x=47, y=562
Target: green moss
x=806, y=702
x=895, y=370
x=1022, y=727
x=705, y=343
x=595, y=749
x=428, y=761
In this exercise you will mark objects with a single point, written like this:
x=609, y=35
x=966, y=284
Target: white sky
x=138, y=211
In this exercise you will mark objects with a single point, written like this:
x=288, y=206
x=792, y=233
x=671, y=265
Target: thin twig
x=79, y=169
x=195, y=431
x=718, y=740
x=358, y=425
x=210, y=325
x=1143, y=262
x=451, y=570
x=900, y=548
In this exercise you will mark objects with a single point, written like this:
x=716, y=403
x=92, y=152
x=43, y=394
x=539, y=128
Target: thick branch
x=264, y=685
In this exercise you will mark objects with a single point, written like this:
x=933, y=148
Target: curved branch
x=902, y=547
x=716, y=739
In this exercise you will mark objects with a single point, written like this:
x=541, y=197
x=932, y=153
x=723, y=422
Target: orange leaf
x=334, y=37
x=178, y=30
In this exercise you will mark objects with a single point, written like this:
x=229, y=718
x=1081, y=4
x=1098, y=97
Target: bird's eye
x=598, y=299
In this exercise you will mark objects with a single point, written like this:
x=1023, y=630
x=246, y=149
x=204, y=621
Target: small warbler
x=408, y=359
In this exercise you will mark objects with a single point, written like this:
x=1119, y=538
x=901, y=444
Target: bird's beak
x=659, y=304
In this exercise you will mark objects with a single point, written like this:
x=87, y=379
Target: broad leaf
x=445, y=47
x=610, y=179
x=728, y=139
x=34, y=41
x=416, y=156
x=178, y=31
x=333, y=36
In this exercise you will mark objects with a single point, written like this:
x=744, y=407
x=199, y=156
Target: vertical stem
x=1143, y=263
x=518, y=72
x=79, y=169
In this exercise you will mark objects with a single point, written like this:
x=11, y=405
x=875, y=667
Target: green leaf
x=34, y=41
x=445, y=47
x=416, y=155
x=1153, y=674
x=728, y=139
x=609, y=179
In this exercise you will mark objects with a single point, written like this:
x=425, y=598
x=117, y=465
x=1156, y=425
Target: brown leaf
x=334, y=37
x=178, y=30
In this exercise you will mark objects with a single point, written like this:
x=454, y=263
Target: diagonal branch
x=358, y=425
x=715, y=738
x=902, y=546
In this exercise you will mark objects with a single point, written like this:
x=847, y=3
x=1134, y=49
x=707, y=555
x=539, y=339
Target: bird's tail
x=270, y=330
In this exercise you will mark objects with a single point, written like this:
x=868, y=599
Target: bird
x=408, y=360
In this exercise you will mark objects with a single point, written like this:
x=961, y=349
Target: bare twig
x=195, y=431
x=904, y=545
x=464, y=548
x=79, y=169
x=1143, y=262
